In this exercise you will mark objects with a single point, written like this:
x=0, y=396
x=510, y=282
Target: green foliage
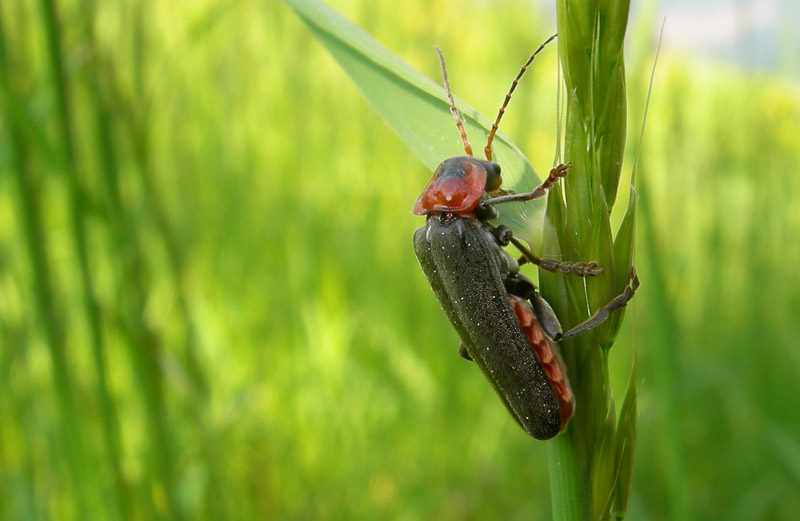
x=270, y=349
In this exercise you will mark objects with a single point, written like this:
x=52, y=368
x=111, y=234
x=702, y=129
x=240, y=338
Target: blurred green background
x=210, y=307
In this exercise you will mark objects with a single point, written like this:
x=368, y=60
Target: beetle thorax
x=457, y=186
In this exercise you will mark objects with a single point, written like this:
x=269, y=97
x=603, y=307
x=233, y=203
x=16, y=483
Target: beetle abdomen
x=460, y=260
x=548, y=356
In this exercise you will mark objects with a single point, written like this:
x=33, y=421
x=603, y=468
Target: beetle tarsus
x=581, y=269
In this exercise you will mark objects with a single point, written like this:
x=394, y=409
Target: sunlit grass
x=334, y=390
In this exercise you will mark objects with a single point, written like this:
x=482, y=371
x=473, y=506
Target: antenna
x=453, y=110
x=488, y=148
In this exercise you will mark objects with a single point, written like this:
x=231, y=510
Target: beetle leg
x=555, y=174
x=462, y=351
x=502, y=235
x=581, y=269
x=546, y=316
x=601, y=314
x=519, y=285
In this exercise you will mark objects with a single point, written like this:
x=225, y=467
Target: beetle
x=505, y=325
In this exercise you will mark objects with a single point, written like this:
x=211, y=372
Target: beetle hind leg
x=618, y=302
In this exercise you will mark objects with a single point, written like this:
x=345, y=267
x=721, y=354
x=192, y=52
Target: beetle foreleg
x=555, y=174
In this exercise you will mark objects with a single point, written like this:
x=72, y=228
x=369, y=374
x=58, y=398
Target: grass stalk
x=144, y=344
x=568, y=492
x=44, y=293
x=585, y=461
x=108, y=164
x=135, y=115
x=78, y=222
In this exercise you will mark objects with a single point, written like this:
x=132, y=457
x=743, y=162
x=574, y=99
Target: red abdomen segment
x=548, y=356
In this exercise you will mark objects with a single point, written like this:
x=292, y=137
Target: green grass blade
x=415, y=107
x=623, y=260
x=626, y=443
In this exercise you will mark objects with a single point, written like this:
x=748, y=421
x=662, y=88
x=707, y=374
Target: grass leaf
x=415, y=107
x=623, y=260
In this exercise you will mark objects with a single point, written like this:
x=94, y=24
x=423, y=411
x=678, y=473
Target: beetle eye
x=493, y=179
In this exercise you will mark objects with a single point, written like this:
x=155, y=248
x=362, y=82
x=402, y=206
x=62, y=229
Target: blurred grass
x=268, y=344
